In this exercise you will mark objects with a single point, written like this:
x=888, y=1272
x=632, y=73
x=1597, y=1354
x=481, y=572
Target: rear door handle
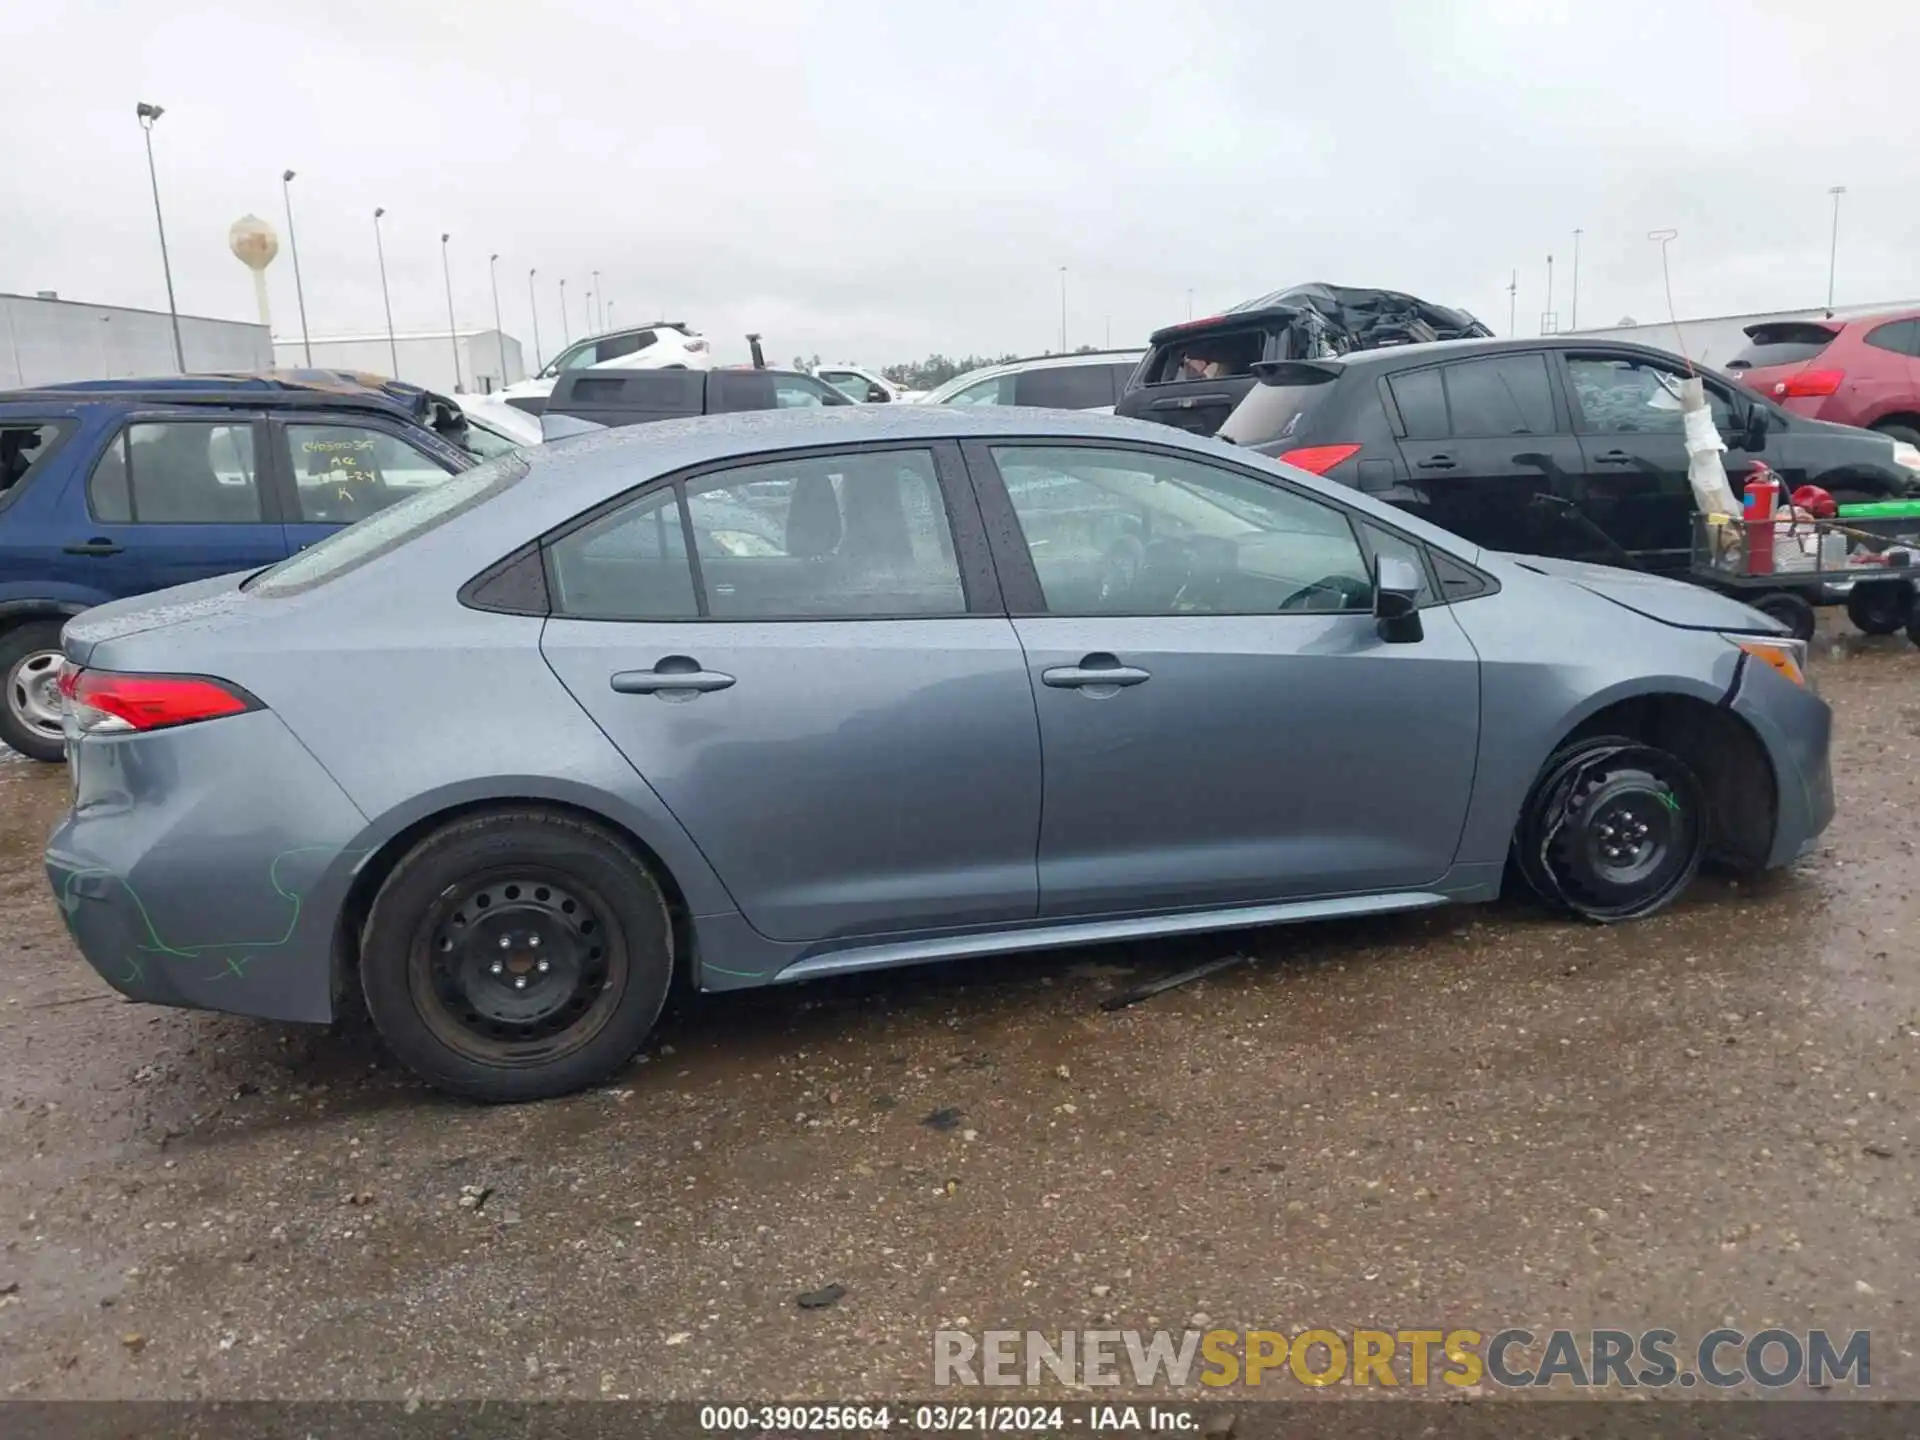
x=95, y=546
x=677, y=675
x=1094, y=672
x=1613, y=457
x=1435, y=462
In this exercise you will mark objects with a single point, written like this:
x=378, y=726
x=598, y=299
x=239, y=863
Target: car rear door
x=823, y=686
x=173, y=497
x=330, y=471
x=1489, y=449
x=1221, y=722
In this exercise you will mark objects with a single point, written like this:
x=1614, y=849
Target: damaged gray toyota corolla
x=766, y=698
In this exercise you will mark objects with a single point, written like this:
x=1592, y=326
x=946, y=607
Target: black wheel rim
x=517, y=966
x=1616, y=832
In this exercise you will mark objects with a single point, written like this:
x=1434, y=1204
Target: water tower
x=254, y=244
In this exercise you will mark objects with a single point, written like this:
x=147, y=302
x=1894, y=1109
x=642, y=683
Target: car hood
x=1671, y=602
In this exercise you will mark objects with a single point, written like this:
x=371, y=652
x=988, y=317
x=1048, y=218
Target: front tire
x=30, y=662
x=1791, y=610
x=1614, y=830
x=517, y=956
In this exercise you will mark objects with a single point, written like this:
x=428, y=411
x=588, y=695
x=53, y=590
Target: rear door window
x=1901, y=337
x=177, y=473
x=1791, y=342
x=343, y=473
x=1502, y=395
x=1065, y=387
x=1421, y=396
x=26, y=446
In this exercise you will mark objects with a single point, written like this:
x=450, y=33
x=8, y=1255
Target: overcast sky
x=877, y=181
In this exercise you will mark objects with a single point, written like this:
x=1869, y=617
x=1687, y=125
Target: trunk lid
x=200, y=603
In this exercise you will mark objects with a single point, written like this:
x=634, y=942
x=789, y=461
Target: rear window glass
x=1066, y=387
x=26, y=445
x=389, y=529
x=1788, y=343
x=1273, y=412
x=1214, y=355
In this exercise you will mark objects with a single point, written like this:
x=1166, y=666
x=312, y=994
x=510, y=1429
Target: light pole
x=453, y=336
x=609, y=314
x=603, y=299
x=499, y=335
x=1833, y=253
x=1189, y=304
x=147, y=115
x=1513, y=304
x=1573, y=322
x=300, y=294
x=533, y=308
x=565, y=338
x=1063, y=309
x=379, y=249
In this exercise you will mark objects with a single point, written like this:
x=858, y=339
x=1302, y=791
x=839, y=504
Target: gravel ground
x=1470, y=1118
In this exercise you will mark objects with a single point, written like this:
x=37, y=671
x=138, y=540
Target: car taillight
x=1319, y=458
x=1809, y=383
x=107, y=702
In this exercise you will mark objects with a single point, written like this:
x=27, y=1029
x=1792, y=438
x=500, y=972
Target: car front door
x=172, y=500
x=1633, y=488
x=334, y=472
x=1490, y=449
x=1221, y=722
x=823, y=686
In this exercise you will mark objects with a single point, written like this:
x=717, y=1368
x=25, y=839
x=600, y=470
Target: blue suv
x=111, y=488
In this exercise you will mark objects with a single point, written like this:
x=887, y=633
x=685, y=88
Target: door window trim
x=1020, y=581
x=979, y=581
x=264, y=486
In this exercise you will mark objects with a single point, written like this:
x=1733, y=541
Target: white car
x=495, y=427
x=661, y=345
x=864, y=386
x=1090, y=380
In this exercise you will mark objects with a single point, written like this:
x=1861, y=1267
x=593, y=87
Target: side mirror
x=1396, y=600
x=877, y=396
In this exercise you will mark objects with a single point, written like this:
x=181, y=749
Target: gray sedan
x=752, y=700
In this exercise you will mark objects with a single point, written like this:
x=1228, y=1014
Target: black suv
x=1562, y=447
x=1197, y=372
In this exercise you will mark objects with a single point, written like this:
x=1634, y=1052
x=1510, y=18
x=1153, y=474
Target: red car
x=1864, y=371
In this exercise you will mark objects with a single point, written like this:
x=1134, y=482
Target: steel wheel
x=33, y=692
x=1614, y=831
x=517, y=968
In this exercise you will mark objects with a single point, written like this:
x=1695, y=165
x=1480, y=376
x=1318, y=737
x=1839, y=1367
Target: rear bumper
x=1796, y=727
x=206, y=867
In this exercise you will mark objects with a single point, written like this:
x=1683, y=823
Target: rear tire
x=1880, y=607
x=1790, y=609
x=517, y=956
x=30, y=662
x=1614, y=830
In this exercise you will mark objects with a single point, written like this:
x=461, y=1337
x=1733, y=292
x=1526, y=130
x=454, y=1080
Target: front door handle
x=677, y=677
x=1613, y=457
x=1435, y=462
x=1099, y=673
x=95, y=546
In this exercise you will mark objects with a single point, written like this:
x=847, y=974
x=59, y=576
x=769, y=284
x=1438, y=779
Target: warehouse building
x=45, y=340
x=488, y=359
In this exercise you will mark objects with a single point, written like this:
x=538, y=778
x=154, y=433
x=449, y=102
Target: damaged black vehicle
x=1198, y=371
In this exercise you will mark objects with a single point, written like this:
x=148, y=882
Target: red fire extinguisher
x=1762, y=502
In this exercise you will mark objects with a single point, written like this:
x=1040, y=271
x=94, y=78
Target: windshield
x=389, y=529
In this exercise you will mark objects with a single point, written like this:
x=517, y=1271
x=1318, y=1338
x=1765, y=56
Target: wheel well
x=366, y=885
x=1911, y=422
x=1720, y=748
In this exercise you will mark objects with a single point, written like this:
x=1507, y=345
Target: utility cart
x=1784, y=566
